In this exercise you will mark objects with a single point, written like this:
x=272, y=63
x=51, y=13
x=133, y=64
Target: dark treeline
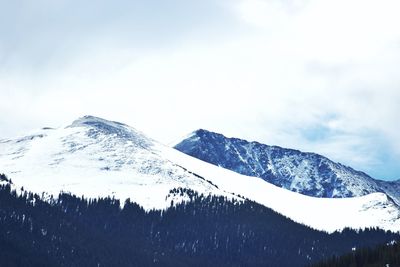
x=205, y=231
x=383, y=255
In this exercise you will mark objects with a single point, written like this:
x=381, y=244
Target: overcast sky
x=321, y=76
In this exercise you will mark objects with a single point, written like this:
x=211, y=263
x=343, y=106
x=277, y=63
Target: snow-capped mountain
x=307, y=173
x=95, y=157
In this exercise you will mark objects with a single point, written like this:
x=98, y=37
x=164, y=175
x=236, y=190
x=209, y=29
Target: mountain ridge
x=304, y=172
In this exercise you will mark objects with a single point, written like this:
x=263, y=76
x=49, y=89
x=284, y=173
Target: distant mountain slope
x=307, y=173
x=94, y=158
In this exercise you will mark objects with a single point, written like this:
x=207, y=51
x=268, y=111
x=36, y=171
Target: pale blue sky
x=315, y=75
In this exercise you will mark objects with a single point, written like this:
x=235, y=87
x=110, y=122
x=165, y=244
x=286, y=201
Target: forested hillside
x=205, y=231
x=387, y=255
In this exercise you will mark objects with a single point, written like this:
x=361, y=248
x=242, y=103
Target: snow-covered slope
x=95, y=157
x=307, y=173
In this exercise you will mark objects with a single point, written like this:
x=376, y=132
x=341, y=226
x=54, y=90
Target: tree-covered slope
x=203, y=231
x=387, y=255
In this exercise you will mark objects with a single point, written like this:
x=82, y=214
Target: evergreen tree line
x=205, y=231
x=382, y=255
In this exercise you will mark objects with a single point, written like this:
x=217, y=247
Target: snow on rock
x=307, y=173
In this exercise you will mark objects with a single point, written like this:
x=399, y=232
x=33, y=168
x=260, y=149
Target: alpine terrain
x=93, y=157
x=307, y=173
x=100, y=193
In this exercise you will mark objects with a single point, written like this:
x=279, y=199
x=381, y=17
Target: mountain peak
x=200, y=132
x=90, y=120
x=98, y=126
x=207, y=135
